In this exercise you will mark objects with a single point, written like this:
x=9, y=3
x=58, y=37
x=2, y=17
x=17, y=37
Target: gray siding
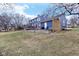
x=63, y=21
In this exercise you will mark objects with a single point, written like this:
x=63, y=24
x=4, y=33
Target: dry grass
x=40, y=43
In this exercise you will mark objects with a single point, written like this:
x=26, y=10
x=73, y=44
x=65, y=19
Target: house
x=55, y=23
x=35, y=23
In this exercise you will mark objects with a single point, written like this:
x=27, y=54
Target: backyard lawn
x=39, y=43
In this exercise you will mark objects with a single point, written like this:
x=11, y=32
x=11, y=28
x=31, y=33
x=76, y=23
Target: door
x=45, y=25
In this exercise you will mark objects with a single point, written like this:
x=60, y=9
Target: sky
x=31, y=9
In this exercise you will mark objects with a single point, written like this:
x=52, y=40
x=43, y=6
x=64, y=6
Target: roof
x=59, y=15
x=34, y=18
x=46, y=20
x=51, y=18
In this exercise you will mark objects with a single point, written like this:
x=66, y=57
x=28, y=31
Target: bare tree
x=71, y=8
x=5, y=21
x=9, y=17
x=7, y=8
x=73, y=21
x=18, y=20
